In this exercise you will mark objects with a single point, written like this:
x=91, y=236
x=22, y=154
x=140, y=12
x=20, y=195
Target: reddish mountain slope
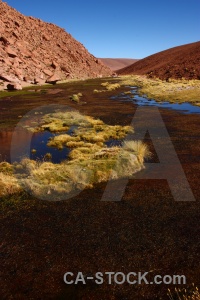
x=178, y=62
x=34, y=51
x=118, y=63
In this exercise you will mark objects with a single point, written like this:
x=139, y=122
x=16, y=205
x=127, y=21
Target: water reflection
x=186, y=107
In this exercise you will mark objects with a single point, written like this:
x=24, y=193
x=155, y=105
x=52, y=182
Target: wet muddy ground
x=145, y=232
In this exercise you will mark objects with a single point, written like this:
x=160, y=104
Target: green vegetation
x=4, y=94
x=174, y=91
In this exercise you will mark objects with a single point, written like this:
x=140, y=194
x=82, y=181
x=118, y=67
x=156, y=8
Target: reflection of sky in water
x=141, y=101
x=39, y=143
x=40, y=140
x=113, y=142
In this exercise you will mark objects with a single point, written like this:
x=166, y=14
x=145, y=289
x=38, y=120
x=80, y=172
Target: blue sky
x=125, y=28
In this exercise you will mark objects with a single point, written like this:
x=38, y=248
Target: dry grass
x=108, y=86
x=184, y=294
x=60, y=121
x=88, y=164
x=138, y=148
x=88, y=131
x=178, y=91
x=76, y=97
x=8, y=183
x=90, y=160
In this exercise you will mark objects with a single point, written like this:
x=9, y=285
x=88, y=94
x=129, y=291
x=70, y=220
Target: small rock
x=11, y=52
x=12, y=86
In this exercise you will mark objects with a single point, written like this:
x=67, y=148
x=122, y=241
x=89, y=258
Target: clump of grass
x=113, y=86
x=59, y=121
x=109, y=87
x=8, y=183
x=139, y=149
x=105, y=84
x=98, y=91
x=48, y=156
x=55, y=126
x=6, y=168
x=127, y=93
x=184, y=294
x=76, y=97
x=61, y=140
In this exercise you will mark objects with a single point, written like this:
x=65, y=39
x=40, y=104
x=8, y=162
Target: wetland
x=146, y=231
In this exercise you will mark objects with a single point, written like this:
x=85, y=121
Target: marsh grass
x=88, y=131
x=8, y=183
x=90, y=161
x=109, y=87
x=60, y=121
x=139, y=149
x=174, y=91
x=76, y=97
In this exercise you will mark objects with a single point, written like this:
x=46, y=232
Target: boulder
x=38, y=80
x=12, y=86
x=53, y=79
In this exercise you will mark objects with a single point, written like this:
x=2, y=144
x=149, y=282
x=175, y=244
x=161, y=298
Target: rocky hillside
x=177, y=62
x=32, y=51
x=118, y=63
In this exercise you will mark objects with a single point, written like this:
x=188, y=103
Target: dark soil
x=146, y=231
x=177, y=62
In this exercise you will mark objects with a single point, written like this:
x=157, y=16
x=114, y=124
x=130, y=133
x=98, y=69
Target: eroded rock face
x=38, y=52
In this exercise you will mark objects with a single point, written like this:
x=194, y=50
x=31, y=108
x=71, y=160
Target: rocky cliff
x=33, y=51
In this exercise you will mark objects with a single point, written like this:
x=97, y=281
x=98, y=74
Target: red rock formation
x=177, y=62
x=34, y=51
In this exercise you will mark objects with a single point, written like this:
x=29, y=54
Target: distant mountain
x=117, y=63
x=177, y=62
x=34, y=51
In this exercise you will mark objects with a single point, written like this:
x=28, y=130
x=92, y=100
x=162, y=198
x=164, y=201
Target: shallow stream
x=39, y=140
x=133, y=97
